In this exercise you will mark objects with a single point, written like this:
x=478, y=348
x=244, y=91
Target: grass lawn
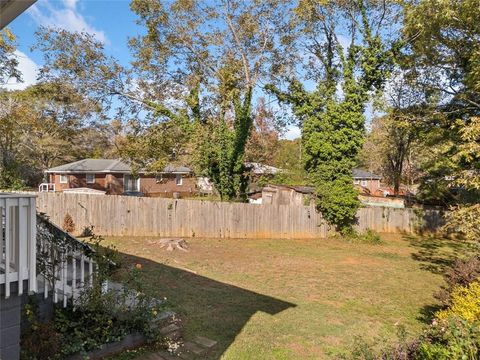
x=293, y=299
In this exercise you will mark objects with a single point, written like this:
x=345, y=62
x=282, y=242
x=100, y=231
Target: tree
x=393, y=145
x=442, y=56
x=465, y=217
x=12, y=114
x=333, y=121
x=388, y=146
x=444, y=51
x=197, y=63
x=8, y=60
x=41, y=126
x=217, y=53
x=264, y=138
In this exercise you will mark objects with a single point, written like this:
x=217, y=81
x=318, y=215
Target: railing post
x=23, y=230
x=7, y=247
x=32, y=251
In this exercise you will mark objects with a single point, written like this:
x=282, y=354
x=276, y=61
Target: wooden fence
x=142, y=216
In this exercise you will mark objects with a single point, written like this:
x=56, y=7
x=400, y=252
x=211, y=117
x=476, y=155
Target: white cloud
x=29, y=70
x=65, y=15
x=293, y=132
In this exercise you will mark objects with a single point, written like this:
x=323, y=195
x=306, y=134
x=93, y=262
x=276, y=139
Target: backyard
x=293, y=299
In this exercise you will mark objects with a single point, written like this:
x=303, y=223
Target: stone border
x=128, y=342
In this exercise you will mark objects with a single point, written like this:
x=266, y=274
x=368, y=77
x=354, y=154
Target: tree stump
x=172, y=244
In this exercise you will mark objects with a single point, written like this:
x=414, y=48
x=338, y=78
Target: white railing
x=46, y=187
x=70, y=266
x=26, y=239
x=17, y=242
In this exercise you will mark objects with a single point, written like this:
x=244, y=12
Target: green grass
x=294, y=299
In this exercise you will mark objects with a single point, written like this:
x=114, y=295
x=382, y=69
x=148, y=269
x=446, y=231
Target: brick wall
x=167, y=186
x=371, y=185
x=113, y=184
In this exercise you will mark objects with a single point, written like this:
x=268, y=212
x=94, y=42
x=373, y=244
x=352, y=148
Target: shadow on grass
x=207, y=307
x=434, y=253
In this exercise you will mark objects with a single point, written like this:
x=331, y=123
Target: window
x=364, y=182
x=178, y=179
x=63, y=179
x=356, y=182
x=90, y=178
x=158, y=178
x=131, y=183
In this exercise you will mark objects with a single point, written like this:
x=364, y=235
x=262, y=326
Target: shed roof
x=261, y=169
x=108, y=166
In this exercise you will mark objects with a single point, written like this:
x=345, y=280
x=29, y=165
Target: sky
x=111, y=21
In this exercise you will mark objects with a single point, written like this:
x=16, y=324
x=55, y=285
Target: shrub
x=462, y=273
x=68, y=224
x=403, y=349
x=368, y=237
x=41, y=341
x=464, y=219
x=100, y=317
x=465, y=303
x=452, y=338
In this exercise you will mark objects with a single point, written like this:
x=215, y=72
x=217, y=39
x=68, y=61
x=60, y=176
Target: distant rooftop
x=262, y=169
x=364, y=174
x=107, y=166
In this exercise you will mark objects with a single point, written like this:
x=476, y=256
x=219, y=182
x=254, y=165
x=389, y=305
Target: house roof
x=108, y=166
x=363, y=174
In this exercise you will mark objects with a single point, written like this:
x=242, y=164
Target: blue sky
x=110, y=21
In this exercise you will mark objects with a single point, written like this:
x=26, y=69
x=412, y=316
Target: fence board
x=133, y=216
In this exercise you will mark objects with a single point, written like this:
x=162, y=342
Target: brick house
x=114, y=177
x=368, y=182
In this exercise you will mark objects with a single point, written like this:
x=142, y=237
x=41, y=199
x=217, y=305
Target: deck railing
x=17, y=242
x=46, y=187
x=35, y=250
x=67, y=265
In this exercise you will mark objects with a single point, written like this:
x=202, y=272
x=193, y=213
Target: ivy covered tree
x=332, y=115
x=212, y=56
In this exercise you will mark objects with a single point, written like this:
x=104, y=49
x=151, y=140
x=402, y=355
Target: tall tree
x=332, y=115
x=211, y=56
x=388, y=147
x=264, y=139
x=443, y=57
x=40, y=128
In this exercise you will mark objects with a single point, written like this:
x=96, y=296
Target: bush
x=68, y=224
x=465, y=303
x=41, y=341
x=96, y=318
x=402, y=350
x=449, y=339
x=465, y=220
x=368, y=237
x=452, y=338
x=462, y=273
